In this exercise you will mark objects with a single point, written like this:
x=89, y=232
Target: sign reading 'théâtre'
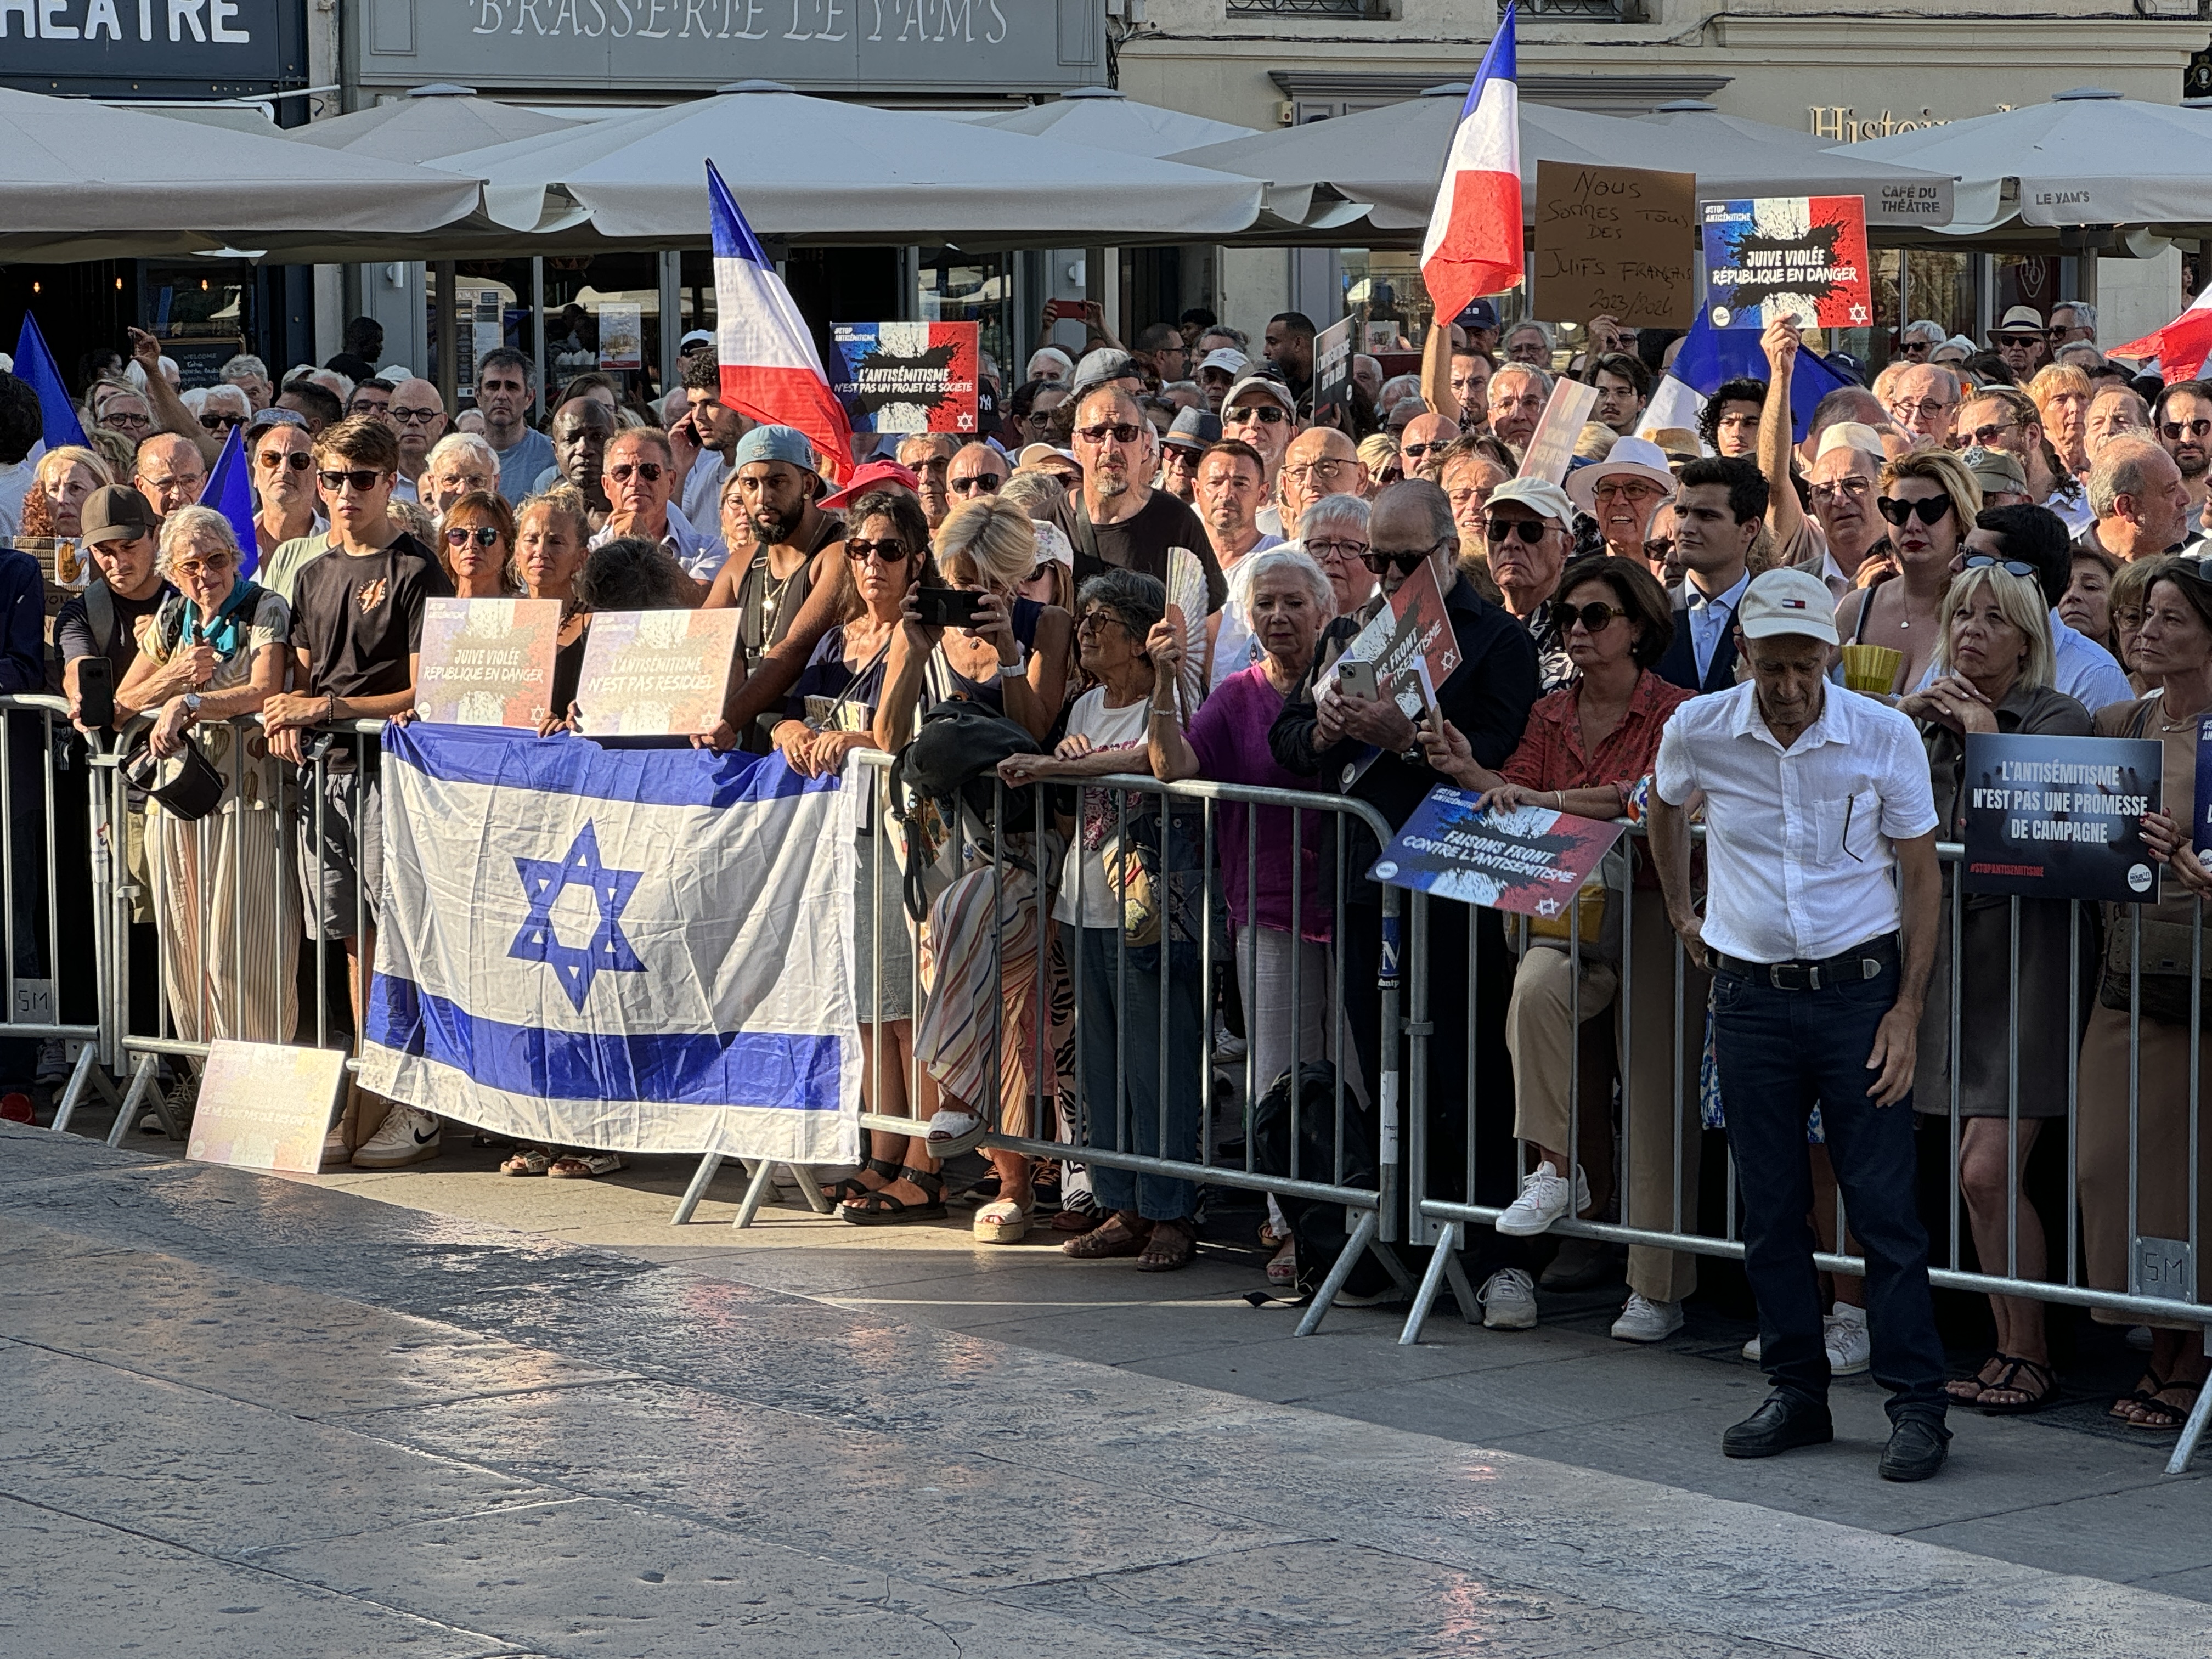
x=236, y=43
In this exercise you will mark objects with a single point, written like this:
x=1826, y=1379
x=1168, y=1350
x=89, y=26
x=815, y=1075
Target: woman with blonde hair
x=2061, y=394
x=61, y=481
x=229, y=910
x=1930, y=501
x=1379, y=454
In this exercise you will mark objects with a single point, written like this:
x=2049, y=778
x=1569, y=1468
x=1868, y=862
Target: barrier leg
x=810, y=1188
x=1447, y=1248
x=142, y=1084
x=1338, y=1271
x=763, y=1183
x=2193, y=1430
x=701, y=1178
x=1388, y=1257
x=80, y=1080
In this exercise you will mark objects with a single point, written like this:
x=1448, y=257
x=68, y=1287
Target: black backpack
x=1318, y=1226
x=951, y=765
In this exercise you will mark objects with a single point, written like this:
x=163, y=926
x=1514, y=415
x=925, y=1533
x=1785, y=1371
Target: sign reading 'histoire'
x=812, y=45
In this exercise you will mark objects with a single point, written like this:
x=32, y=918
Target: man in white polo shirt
x=1819, y=928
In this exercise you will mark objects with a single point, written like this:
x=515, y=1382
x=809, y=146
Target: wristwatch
x=192, y=701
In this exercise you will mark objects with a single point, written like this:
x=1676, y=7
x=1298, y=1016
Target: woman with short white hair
x=458, y=463
x=1050, y=363
x=229, y=910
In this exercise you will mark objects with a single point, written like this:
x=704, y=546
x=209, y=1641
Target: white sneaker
x=1844, y=1332
x=1645, y=1320
x=1545, y=1197
x=1509, y=1301
x=405, y=1136
x=1752, y=1351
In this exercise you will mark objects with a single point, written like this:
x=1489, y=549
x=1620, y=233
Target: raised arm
x=1777, y=432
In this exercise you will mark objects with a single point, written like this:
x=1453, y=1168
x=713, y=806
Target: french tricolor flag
x=770, y=369
x=1474, y=245
x=2180, y=348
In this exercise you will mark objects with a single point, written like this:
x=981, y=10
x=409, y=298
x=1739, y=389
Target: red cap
x=864, y=479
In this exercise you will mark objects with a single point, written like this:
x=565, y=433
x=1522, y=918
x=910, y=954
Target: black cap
x=115, y=513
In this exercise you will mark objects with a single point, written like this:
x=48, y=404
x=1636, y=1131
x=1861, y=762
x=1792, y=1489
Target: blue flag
x=1711, y=355
x=35, y=364
x=230, y=492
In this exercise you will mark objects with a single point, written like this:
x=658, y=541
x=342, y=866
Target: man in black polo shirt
x=1116, y=519
x=1322, y=731
x=357, y=641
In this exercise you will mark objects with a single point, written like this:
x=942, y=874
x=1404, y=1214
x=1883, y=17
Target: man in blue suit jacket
x=1719, y=504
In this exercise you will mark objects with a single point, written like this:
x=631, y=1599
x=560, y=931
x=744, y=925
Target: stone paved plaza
x=262, y=1416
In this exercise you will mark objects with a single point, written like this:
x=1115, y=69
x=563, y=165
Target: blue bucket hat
x=775, y=443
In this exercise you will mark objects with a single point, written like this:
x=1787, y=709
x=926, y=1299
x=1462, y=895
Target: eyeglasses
x=1927, y=409
x=219, y=422
x=1987, y=436
x=1265, y=414
x=485, y=535
x=120, y=419
x=1930, y=509
x=1322, y=472
x=1337, y=552
x=1852, y=488
x=1407, y=560
x=1122, y=432
x=206, y=565
x=884, y=552
x=363, y=478
x=983, y=483
x=1095, y=620
x=2172, y=430
x=2010, y=567
x=413, y=417
x=1530, y=531
x=298, y=459
x=648, y=471
x=1635, y=488
x=1594, y=616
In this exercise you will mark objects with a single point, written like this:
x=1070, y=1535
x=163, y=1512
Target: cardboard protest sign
x=1553, y=445
x=486, y=662
x=1781, y=256
x=1616, y=242
x=1530, y=860
x=2059, y=817
x=907, y=377
x=1332, y=371
x=656, y=673
x=266, y=1105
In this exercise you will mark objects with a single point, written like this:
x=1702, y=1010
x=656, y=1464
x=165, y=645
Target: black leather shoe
x=1916, y=1450
x=1782, y=1423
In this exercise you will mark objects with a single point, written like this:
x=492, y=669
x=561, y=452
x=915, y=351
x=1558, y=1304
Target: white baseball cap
x=1785, y=602
x=1540, y=494
x=1228, y=360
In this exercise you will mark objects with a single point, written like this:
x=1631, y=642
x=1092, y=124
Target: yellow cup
x=1871, y=668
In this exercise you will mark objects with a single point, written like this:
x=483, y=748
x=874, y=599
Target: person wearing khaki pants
x=1653, y=1050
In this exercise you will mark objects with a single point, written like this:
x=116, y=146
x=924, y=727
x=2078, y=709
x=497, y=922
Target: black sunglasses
x=485, y=534
x=1594, y=616
x=363, y=478
x=2010, y=567
x=887, y=552
x=983, y=483
x=1122, y=432
x=1407, y=562
x=1930, y=509
x=298, y=459
x=1530, y=531
x=214, y=423
x=2171, y=430
x=648, y=471
x=1265, y=413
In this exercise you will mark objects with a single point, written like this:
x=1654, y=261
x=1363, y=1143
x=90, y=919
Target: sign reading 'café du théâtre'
x=226, y=47
x=812, y=45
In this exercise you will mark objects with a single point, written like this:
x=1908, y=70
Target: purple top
x=1229, y=733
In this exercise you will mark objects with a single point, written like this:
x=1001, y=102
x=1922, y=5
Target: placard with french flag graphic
x=771, y=369
x=1474, y=245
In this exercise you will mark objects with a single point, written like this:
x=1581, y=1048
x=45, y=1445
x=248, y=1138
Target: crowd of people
x=1786, y=628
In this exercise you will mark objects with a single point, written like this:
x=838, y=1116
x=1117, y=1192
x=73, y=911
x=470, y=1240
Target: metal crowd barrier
x=2161, y=1272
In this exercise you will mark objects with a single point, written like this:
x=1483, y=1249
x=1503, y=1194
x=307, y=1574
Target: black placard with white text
x=2061, y=817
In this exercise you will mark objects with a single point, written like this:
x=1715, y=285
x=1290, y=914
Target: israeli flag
x=641, y=951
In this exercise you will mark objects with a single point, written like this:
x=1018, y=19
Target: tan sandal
x=1002, y=1221
x=1110, y=1238
x=1172, y=1245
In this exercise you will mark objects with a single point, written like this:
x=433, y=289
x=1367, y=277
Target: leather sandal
x=1172, y=1245
x=852, y=1186
x=1111, y=1237
x=2170, y=1419
x=878, y=1209
x=2042, y=1390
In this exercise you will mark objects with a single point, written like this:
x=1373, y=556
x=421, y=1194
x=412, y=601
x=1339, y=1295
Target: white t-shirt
x=1107, y=728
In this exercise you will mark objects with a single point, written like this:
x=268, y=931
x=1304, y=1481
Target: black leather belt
x=1861, y=961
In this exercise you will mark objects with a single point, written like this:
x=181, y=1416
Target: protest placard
x=656, y=673
x=2200, y=838
x=486, y=662
x=1778, y=256
x=2061, y=817
x=1410, y=643
x=1618, y=242
x=1553, y=445
x=1529, y=860
x=1332, y=372
x=266, y=1105
x=907, y=377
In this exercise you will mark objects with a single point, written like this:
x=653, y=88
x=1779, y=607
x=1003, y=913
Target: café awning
x=1106, y=118
x=430, y=121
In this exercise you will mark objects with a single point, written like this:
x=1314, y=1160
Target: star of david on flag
x=544, y=882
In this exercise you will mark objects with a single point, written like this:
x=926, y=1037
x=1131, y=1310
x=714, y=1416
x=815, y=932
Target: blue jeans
x=1780, y=1053
x=1125, y=992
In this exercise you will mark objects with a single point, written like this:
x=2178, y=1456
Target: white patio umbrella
x=79, y=180
x=1389, y=158
x=430, y=121
x=813, y=170
x=1105, y=118
x=2083, y=157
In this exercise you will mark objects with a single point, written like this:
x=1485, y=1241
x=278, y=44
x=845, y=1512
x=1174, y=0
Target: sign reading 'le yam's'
x=1618, y=242
x=656, y=673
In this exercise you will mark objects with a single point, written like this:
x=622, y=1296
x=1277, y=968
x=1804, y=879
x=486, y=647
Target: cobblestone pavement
x=258, y=1416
